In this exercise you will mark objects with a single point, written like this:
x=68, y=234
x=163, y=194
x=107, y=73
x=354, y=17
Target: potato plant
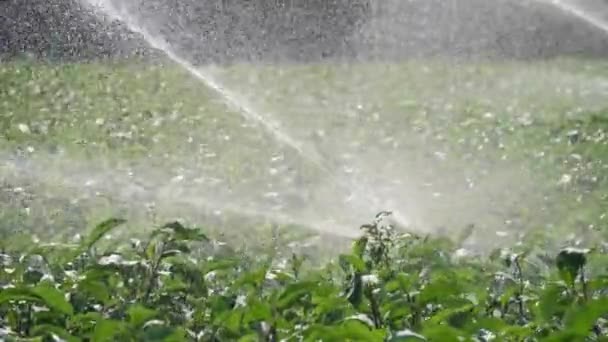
x=181, y=285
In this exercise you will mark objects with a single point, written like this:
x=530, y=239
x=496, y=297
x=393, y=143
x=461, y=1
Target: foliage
x=180, y=285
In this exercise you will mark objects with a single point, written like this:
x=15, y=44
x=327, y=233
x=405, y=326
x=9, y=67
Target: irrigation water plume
x=569, y=7
x=98, y=182
x=236, y=102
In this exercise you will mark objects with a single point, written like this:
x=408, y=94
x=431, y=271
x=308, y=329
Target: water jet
x=238, y=103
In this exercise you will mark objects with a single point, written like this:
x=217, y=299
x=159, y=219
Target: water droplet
x=565, y=179
x=24, y=128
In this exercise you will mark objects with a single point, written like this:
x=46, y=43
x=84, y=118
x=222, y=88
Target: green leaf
x=516, y=333
x=406, y=335
x=348, y=331
x=492, y=324
x=362, y=318
x=139, y=314
x=551, y=302
x=95, y=289
x=570, y=261
x=98, y=232
x=294, y=292
x=443, y=333
x=580, y=320
x=354, y=330
x=355, y=293
x=108, y=330
x=182, y=233
x=328, y=303
x=47, y=330
x=221, y=264
x=253, y=337
x=53, y=298
x=441, y=287
x=359, y=247
x=18, y=294
x=355, y=261
x=509, y=293
x=455, y=317
x=163, y=333
x=232, y=320
x=397, y=310
x=401, y=282
x=85, y=321
x=254, y=278
x=43, y=293
x=258, y=311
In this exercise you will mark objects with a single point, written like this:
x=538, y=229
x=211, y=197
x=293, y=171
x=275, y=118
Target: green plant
x=181, y=285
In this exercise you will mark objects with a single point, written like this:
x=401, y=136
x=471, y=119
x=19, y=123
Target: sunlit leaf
x=163, y=333
x=363, y=318
x=138, y=314
x=348, y=331
x=405, y=335
x=258, y=311
x=443, y=333
x=359, y=246
x=108, y=330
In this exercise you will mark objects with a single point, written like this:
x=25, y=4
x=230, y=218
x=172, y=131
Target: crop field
x=490, y=171
x=508, y=147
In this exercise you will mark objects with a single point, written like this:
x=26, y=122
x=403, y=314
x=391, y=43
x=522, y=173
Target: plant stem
x=520, y=293
x=376, y=315
x=584, y=284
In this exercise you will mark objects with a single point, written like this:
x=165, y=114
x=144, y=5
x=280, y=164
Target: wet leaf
x=356, y=262
x=579, y=320
x=109, y=330
x=181, y=233
x=551, y=302
x=570, y=262
x=294, y=292
x=455, y=317
x=99, y=232
x=443, y=333
x=359, y=247
x=163, y=333
x=258, y=311
x=406, y=335
x=43, y=293
x=53, y=298
x=139, y=314
x=355, y=293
